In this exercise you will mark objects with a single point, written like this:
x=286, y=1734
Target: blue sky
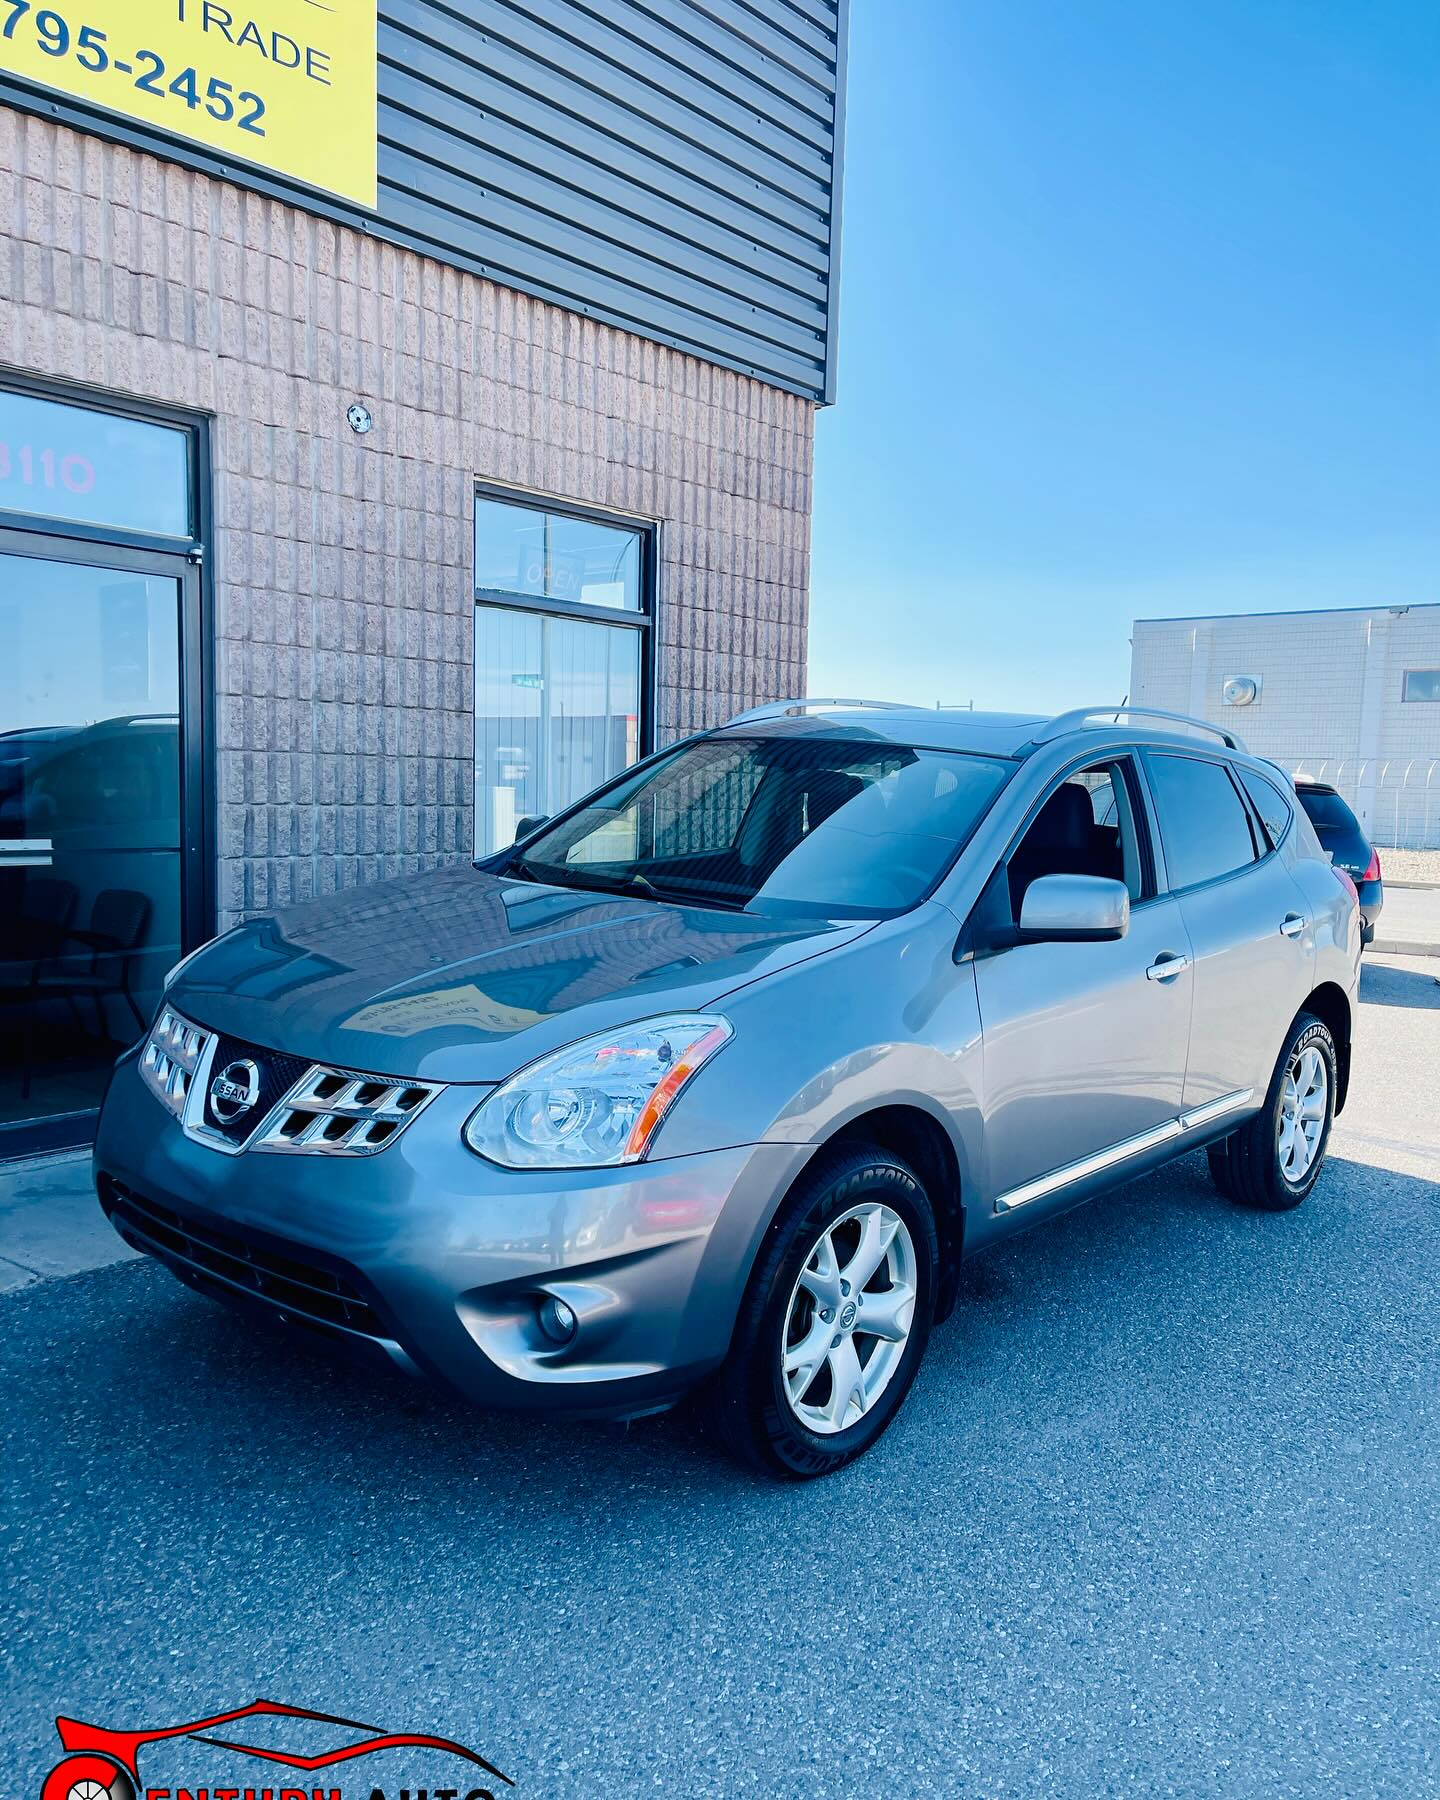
x=1138, y=316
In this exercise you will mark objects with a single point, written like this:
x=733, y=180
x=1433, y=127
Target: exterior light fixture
x=557, y=1320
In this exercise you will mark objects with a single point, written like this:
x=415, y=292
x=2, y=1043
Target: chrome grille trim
x=328, y=1111
x=336, y=1112
x=173, y=1054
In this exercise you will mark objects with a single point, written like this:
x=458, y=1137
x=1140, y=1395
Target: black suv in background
x=1339, y=832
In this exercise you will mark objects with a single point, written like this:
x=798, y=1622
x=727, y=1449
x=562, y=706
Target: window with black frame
x=100, y=884
x=564, y=606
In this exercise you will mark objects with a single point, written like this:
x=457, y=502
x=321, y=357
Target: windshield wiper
x=522, y=866
x=628, y=885
x=553, y=875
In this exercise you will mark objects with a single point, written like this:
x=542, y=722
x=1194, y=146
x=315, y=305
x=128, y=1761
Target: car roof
x=998, y=734
x=1007, y=734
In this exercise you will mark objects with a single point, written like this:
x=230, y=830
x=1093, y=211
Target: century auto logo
x=103, y=1764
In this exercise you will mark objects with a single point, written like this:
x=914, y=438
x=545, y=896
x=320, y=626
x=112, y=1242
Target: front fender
x=888, y=1021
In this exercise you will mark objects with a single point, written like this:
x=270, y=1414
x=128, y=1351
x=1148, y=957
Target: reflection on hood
x=436, y=974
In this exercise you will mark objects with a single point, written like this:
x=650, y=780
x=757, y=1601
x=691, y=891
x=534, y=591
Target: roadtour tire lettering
x=1246, y=1166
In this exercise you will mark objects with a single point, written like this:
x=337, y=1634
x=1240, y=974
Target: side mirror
x=529, y=825
x=1067, y=909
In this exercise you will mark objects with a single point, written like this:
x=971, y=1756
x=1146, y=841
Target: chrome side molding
x=1088, y=1165
x=1215, y=1109
x=1193, y=1120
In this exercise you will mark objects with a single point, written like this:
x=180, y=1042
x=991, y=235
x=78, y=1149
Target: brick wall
x=343, y=565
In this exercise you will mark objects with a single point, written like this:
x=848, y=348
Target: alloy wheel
x=849, y=1318
x=1304, y=1097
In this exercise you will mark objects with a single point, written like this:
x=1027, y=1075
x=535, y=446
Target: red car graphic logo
x=101, y=1764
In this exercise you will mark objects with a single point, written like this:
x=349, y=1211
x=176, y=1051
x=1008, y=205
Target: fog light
x=557, y=1320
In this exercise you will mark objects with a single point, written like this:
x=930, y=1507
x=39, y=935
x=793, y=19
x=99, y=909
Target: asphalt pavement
x=1409, y=920
x=1159, y=1518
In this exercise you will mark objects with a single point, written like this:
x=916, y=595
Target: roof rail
x=780, y=709
x=1082, y=716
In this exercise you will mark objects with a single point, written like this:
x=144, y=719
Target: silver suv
x=711, y=1081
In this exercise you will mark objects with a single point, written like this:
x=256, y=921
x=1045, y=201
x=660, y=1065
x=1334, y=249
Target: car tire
x=1271, y=1163
x=761, y=1405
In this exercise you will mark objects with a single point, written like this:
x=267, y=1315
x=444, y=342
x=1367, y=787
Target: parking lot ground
x=1158, y=1518
x=1410, y=917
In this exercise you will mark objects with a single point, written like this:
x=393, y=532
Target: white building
x=1350, y=696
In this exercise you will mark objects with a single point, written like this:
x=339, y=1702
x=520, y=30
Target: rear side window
x=1203, y=822
x=1270, y=803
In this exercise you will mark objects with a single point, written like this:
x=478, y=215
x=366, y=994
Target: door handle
x=1292, y=925
x=1166, y=967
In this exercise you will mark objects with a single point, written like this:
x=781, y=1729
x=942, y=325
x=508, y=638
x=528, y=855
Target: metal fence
x=1396, y=799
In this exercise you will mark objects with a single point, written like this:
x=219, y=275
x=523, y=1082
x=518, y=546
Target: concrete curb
x=50, y=1222
x=1387, y=948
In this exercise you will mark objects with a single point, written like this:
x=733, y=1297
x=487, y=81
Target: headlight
x=597, y=1103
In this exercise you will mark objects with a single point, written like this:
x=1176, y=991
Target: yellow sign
x=287, y=84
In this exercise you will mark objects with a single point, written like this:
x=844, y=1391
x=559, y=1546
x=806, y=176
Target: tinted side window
x=1203, y=821
x=1085, y=827
x=1270, y=803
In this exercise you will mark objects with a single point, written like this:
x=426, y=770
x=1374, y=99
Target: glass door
x=94, y=839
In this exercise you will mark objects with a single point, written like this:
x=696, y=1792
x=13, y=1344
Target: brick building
x=338, y=532
x=1347, y=696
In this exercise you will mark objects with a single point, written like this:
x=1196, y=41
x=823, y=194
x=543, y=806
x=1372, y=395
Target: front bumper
x=428, y=1257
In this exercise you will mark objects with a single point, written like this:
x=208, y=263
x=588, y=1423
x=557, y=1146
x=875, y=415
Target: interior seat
x=1061, y=841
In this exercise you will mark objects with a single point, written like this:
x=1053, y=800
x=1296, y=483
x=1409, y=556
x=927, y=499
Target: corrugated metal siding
x=667, y=165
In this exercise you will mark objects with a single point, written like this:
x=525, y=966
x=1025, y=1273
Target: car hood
x=462, y=975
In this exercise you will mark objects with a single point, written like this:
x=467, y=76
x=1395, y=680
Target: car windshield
x=826, y=827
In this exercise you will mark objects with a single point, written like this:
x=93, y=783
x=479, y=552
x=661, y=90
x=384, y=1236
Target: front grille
x=234, y=1095
x=284, y=1274
x=275, y=1074
x=173, y=1052
x=348, y=1115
